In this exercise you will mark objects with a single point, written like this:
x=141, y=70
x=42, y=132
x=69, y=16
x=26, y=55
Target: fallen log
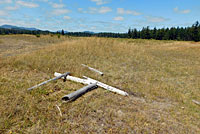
x=88, y=80
x=105, y=86
x=196, y=102
x=75, y=79
x=45, y=82
x=92, y=69
x=73, y=96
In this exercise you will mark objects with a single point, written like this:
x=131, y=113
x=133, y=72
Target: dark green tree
x=62, y=32
x=195, y=31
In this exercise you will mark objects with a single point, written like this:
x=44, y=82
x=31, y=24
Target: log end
x=65, y=98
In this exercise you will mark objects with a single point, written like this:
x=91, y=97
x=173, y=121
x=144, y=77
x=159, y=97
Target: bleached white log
x=74, y=95
x=59, y=110
x=92, y=69
x=45, y=82
x=196, y=102
x=75, y=79
x=105, y=86
x=88, y=80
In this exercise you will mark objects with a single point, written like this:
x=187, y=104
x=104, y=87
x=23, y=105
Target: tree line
x=86, y=34
x=175, y=33
x=4, y=31
x=191, y=33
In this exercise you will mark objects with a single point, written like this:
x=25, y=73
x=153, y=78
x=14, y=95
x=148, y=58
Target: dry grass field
x=11, y=45
x=162, y=78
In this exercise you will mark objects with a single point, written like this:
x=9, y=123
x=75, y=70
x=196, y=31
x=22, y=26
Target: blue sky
x=99, y=15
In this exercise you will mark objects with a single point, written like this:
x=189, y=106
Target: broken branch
x=59, y=110
x=105, y=86
x=196, y=102
x=45, y=82
x=73, y=96
x=92, y=69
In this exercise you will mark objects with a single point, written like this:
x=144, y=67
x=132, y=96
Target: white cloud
x=93, y=28
x=43, y=0
x=119, y=18
x=56, y=5
x=132, y=12
x=100, y=2
x=81, y=10
x=4, y=21
x=5, y=1
x=155, y=19
x=94, y=10
x=60, y=11
x=103, y=10
x=66, y=17
x=104, y=26
x=37, y=20
x=27, y=4
x=40, y=0
x=10, y=8
x=181, y=11
x=3, y=13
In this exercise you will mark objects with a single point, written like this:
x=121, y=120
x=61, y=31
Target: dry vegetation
x=162, y=78
x=11, y=45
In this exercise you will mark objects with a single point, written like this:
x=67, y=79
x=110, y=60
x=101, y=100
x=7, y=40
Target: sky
x=99, y=15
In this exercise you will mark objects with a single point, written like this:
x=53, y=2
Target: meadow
x=161, y=77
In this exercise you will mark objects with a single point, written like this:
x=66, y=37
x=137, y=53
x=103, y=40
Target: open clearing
x=162, y=78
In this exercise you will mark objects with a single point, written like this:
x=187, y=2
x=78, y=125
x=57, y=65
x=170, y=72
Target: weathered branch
x=92, y=69
x=73, y=96
x=105, y=86
x=75, y=79
x=59, y=110
x=196, y=102
x=45, y=82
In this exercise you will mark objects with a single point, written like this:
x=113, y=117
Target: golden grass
x=11, y=45
x=162, y=78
